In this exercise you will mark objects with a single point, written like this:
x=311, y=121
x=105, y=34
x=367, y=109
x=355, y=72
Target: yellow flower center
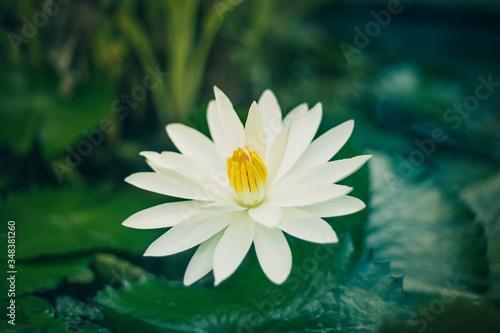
x=247, y=176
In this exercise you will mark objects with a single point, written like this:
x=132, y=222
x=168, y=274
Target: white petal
x=297, y=111
x=330, y=172
x=194, y=144
x=175, y=161
x=302, y=131
x=215, y=126
x=189, y=233
x=340, y=206
x=173, y=184
x=164, y=215
x=227, y=206
x=306, y=226
x=202, y=261
x=267, y=214
x=326, y=146
x=182, y=163
x=273, y=253
x=255, y=137
x=153, y=159
x=233, y=247
x=271, y=116
x=276, y=152
x=306, y=194
x=191, y=167
x=231, y=124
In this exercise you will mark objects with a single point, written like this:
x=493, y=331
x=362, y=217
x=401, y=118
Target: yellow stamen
x=247, y=175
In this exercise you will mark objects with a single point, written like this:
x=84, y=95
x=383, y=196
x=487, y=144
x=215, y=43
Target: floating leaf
x=483, y=198
x=61, y=221
x=46, y=275
x=113, y=269
x=36, y=315
x=323, y=292
x=74, y=312
x=32, y=314
x=428, y=237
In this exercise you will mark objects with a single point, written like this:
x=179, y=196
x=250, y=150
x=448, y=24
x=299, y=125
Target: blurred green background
x=87, y=85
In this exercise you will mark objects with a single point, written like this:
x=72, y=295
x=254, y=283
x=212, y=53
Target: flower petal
x=325, y=147
x=202, y=261
x=164, y=215
x=231, y=124
x=175, y=161
x=215, y=126
x=306, y=226
x=255, y=137
x=306, y=194
x=297, y=111
x=276, y=153
x=267, y=214
x=192, y=168
x=271, y=116
x=330, y=172
x=340, y=206
x=190, y=233
x=302, y=131
x=173, y=184
x=233, y=247
x=192, y=143
x=229, y=206
x=273, y=253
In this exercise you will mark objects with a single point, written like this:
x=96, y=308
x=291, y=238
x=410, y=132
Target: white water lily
x=247, y=185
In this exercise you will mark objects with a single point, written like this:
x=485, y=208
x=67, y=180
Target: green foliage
x=32, y=109
x=76, y=220
x=33, y=314
x=430, y=228
x=36, y=315
x=483, y=197
x=47, y=275
x=430, y=241
x=323, y=292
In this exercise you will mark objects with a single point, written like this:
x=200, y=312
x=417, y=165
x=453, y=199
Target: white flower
x=247, y=185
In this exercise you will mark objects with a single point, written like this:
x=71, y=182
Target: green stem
x=181, y=27
x=140, y=42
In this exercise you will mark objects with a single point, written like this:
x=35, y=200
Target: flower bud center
x=247, y=176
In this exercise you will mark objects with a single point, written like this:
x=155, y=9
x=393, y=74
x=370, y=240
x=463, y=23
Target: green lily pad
x=32, y=314
x=36, y=315
x=47, y=275
x=325, y=291
x=113, y=269
x=88, y=328
x=428, y=236
x=74, y=312
x=483, y=198
x=64, y=220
